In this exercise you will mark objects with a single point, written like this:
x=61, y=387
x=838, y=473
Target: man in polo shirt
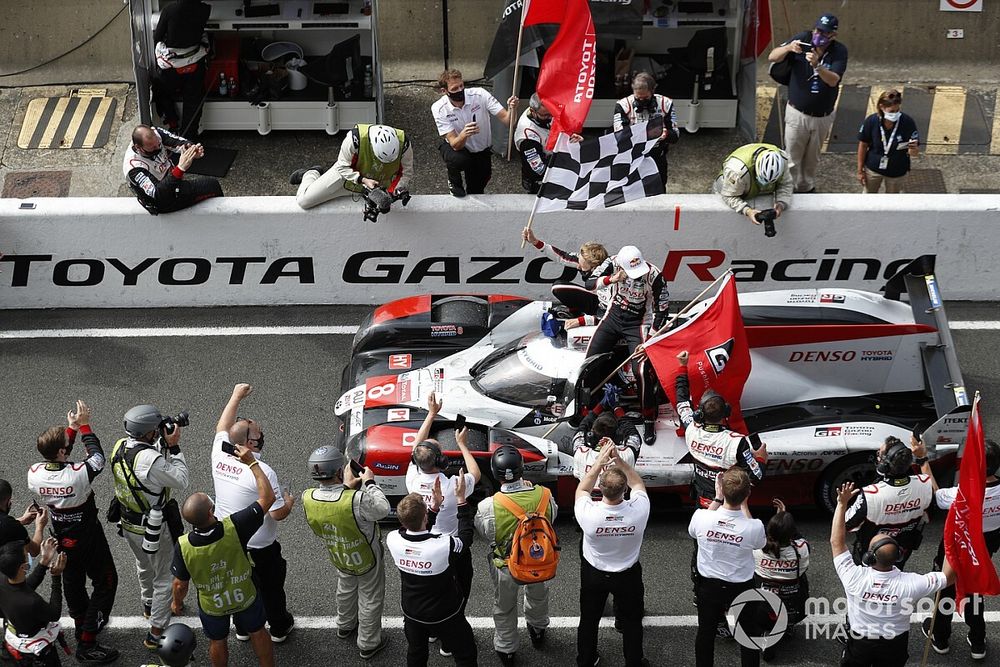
x=462, y=116
x=819, y=62
x=727, y=536
x=880, y=597
x=612, y=538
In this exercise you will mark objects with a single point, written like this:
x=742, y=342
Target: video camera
x=767, y=217
x=379, y=200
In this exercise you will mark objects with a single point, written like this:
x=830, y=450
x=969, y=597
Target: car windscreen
x=510, y=379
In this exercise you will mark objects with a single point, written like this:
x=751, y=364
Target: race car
x=834, y=372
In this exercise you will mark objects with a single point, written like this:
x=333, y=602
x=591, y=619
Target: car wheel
x=461, y=311
x=858, y=468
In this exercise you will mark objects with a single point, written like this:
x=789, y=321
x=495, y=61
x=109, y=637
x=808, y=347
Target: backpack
x=781, y=71
x=533, y=551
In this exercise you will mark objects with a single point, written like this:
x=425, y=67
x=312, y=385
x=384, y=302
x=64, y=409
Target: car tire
x=858, y=468
x=461, y=311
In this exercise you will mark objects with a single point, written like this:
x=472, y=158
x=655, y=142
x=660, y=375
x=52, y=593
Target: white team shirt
x=879, y=603
x=584, y=458
x=991, y=504
x=478, y=103
x=726, y=540
x=612, y=534
x=236, y=489
x=786, y=567
x=423, y=483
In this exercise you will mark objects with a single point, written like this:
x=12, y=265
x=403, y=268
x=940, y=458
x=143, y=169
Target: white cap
x=630, y=259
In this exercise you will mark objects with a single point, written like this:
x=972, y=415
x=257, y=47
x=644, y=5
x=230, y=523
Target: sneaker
x=370, y=653
x=978, y=648
x=446, y=654
x=456, y=190
x=938, y=645
x=537, y=636
x=722, y=631
x=242, y=637
x=431, y=640
x=508, y=659
x=296, y=177
x=147, y=610
x=345, y=633
x=152, y=642
x=95, y=653
x=597, y=660
x=649, y=431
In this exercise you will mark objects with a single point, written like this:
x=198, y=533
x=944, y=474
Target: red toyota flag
x=719, y=353
x=964, y=543
x=566, y=76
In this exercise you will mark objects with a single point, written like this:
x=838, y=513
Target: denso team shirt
x=423, y=483
x=236, y=488
x=792, y=562
x=879, y=603
x=612, y=534
x=991, y=504
x=726, y=540
x=479, y=104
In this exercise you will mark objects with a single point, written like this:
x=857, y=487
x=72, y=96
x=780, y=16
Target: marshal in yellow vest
x=369, y=166
x=221, y=571
x=334, y=522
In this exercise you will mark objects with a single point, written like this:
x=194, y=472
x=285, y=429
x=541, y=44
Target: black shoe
x=767, y=655
x=938, y=645
x=537, y=636
x=456, y=189
x=618, y=625
x=95, y=653
x=296, y=177
x=978, y=648
x=368, y=654
x=508, y=659
x=597, y=660
x=722, y=631
x=343, y=633
x=649, y=431
x=279, y=638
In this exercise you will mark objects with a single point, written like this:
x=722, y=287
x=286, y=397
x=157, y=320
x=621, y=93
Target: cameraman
x=66, y=488
x=753, y=171
x=146, y=465
x=371, y=156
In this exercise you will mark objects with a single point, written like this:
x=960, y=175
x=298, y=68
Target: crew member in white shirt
x=462, y=116
x=975, y=604
x=727, y=535
x=612, y=538
x=235, y=489
x=880, y=597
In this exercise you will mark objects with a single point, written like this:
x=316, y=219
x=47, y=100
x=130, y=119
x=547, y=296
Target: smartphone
x=755, y=440
x=356, y=468
x=473, y=118
x=918, y=432
x=228, y=448
x=459, y=422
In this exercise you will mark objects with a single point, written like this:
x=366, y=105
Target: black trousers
x=861, y=652
x=455, y=632
x=659, y=155
x=614, y=327
x=270, y=570
x=714, y=598
x=187, y=193
x=89, y=557
x=168, y=84
x=477, y=167
x=578, y=299
x=530, y=181
x=975, y=605
x=628, y=592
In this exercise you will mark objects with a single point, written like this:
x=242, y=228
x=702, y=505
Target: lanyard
x=886, y=145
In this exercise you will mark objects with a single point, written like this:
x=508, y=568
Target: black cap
x=827, y=23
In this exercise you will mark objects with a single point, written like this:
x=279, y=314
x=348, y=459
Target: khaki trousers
x=804, y=137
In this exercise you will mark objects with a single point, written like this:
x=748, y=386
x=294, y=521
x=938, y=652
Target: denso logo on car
x=808, y=356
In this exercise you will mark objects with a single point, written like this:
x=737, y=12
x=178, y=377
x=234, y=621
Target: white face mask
x=892, y=116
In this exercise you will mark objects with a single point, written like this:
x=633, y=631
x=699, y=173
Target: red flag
x=544, y=11
x=964, y=543
x=756, y=29
x=566, y=77
x=719, y=353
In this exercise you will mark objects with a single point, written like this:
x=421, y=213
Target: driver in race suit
x=638, y=300
x=606, y=425
x=587, y=304
x=713, y=445
x=155, y=180
x=895, y=505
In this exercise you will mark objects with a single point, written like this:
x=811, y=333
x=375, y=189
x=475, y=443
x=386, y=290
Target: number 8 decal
x=379, y=391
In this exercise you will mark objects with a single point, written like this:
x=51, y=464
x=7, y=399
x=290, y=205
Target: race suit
x=66, y=489
x=585, y=450
x=713, y=447
x=159, y=184
x=895, y=506
x=530, y=138
x=588, y=302
x=629, y=111
x=633, y=306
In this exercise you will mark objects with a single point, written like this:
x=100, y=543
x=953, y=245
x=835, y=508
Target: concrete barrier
x=265, y=250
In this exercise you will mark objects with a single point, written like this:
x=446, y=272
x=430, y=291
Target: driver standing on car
x=895, y=505
x=713, y=446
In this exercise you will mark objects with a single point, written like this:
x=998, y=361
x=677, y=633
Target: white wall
x=234, y=251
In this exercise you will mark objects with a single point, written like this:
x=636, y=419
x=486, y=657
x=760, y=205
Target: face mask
x=645, y=105
x=891, y=116
x=819, y=40
x=542, y=122
x=457, y=96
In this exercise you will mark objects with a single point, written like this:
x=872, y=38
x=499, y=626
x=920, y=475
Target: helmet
x=896, y=461
x=507, y=464
x=142, y=419
x=326, y=462
x=176, y=645
x=385, y=143
x=769, y=165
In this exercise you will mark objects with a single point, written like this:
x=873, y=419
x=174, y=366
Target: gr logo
x=719, y=355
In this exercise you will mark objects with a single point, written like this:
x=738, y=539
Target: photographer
x=32, y=624
x=371, y=157
x=751, y=172
x=146, y=465
x=66, y=488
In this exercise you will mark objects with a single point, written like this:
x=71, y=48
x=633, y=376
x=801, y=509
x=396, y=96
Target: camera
x=378, y=200
x=767, y=217
x=169, y=423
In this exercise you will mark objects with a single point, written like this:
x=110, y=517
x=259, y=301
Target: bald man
x=214, y=556
x=157, y=179
x=235, y=488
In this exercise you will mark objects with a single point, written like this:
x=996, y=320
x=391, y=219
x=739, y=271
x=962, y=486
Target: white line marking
x=188, y=332
x=486, y=622
x=990, y=325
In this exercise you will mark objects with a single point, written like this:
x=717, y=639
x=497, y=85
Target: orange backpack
x=533, y=551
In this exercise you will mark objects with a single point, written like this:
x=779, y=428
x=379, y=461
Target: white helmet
x=769, y=165
x=385, y=143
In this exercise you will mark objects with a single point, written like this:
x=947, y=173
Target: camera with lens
x=767, y=217
x=169, y=423
x=378, y=200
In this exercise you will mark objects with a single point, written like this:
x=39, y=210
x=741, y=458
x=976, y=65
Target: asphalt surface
x=296, y=381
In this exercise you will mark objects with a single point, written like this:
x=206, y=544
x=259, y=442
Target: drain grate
x=25, y=184
x=925, y=181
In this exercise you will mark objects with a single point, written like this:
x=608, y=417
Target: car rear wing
x=948, y=432
x=942, y=373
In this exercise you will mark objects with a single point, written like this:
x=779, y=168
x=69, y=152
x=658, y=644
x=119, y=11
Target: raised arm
x=838, y=531
x=462, y=438
x=920, y=458
x=631, y=476
x=228, y=416
x=433, y=408
x=589, y=479
x=265, y=494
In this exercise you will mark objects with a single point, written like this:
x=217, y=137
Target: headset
x=868, y=558
x=699, y=414
x=896, y=461
x=440, y=460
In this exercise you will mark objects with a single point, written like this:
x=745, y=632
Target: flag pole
x=666, y=326
x=534, y=207
x=930, y=630
x=517, y=82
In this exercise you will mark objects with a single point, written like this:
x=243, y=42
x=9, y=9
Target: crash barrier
x=267, y=251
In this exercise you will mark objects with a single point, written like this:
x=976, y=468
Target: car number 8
x=379, y=391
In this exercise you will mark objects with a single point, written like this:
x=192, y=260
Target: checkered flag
x=602, y=172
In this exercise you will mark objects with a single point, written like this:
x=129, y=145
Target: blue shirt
x=899, y=158
x=800, y=93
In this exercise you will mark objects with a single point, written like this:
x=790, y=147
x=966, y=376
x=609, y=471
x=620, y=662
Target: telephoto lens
x=154, y=524
x=769, y=229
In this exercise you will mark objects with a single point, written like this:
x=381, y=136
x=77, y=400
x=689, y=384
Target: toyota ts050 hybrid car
x=835, y=371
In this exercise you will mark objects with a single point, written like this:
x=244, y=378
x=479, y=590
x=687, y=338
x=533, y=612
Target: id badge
x=884, y=162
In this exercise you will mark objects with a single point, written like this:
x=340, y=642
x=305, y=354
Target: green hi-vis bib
x=335, y=524
x=369, y=166
x=746, y=155
x=221, y=572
